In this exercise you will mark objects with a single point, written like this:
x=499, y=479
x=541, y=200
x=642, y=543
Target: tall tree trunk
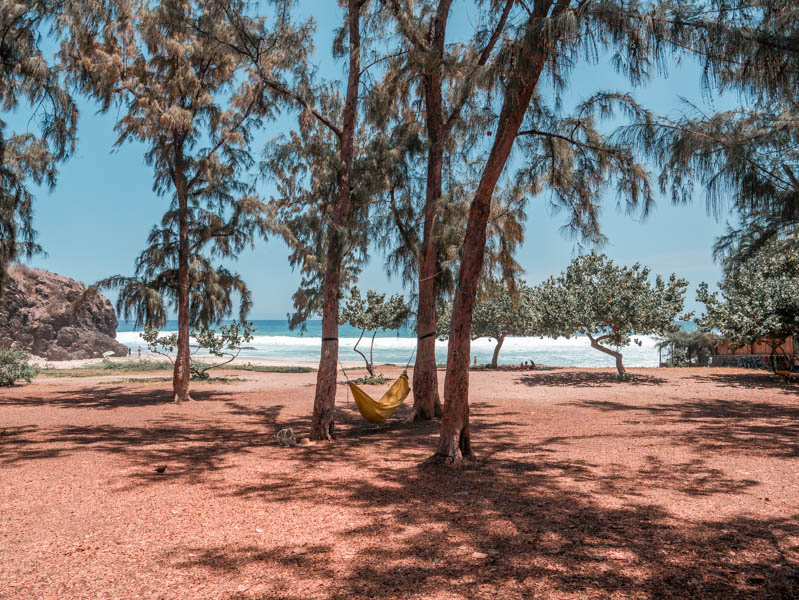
x=495, y=358
x=182, y=372
x=617, y=355
x=322, y=422
x=455, y=441
x=426, y=403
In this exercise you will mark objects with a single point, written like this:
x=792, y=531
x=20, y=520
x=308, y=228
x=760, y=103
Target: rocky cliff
x=37, y=314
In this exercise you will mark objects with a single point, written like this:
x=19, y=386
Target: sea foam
x=574, y=351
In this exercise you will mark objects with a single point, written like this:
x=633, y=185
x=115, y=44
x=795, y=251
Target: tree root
x=323, y=434
x=456, y=459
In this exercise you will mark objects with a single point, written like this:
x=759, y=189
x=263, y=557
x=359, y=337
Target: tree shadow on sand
x=586, y=379
x=719, y=425
x=109, y=396
x=525, y=520
x=507, y=527
x=189, y=447
x=757, y=380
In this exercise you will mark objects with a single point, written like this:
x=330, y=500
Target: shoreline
x=77, y=363
x=43, y=363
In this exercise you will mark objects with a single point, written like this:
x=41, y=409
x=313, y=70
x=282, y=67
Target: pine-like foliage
x=29, y=79
x=428, y=97
x=193, y=102
x=746, y=159
x=305, y=168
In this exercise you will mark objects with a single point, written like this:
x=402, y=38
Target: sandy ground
x=682, y=484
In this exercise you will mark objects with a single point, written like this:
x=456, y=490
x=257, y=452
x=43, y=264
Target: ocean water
x=275, y=342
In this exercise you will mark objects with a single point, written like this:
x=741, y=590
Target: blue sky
x=95, y=222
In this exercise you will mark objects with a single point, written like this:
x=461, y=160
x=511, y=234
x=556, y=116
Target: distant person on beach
x=140, y=352
x=532, y=365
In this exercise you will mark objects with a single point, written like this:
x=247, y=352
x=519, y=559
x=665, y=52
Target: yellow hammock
x=378, y=411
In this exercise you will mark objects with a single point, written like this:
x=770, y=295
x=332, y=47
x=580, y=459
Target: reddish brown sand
x=683, y=484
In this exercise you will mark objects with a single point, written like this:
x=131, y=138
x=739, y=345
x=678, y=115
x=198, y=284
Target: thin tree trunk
x=455, y=441
x=355, y=348
x=495, y=358
x=322, y=422
x=426, y=403
x=617, y=355
x=371, y=368
x=182, y=371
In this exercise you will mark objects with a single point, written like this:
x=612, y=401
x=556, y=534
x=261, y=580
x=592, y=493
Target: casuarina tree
x=564, y=155
x=609, y=304
x=193, y=105
x=323, y=191
x=30, y=80
x=437, y=79
x=745, y=158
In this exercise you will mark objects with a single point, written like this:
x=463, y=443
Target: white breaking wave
x=559, y=352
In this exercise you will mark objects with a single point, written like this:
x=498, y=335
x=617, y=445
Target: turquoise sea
x=275, y=342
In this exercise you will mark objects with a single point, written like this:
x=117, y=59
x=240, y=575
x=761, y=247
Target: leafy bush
x=227, y=342
x=14, y=366
x=370, y=380
x=137, y=365
x=270, y=368
x=373, y=313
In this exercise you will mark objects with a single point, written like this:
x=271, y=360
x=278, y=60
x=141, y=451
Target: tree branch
x=484, y=55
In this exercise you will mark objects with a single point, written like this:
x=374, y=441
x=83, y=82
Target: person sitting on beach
x=532, y=365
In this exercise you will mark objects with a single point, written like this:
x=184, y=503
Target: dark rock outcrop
x=37, y=315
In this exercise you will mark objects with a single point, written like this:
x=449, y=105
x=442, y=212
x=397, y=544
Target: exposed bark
x=322, y=423
x=595, y=343
x=495, y=357
x=454, y=443
x=371, y=367
x=182, y=371
x=426, y=403
x=365, y=360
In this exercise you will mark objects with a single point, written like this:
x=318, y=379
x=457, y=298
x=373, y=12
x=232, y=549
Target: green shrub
x=14, y=366
x=269, y=368
x=366, y=380
x=136, y=365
